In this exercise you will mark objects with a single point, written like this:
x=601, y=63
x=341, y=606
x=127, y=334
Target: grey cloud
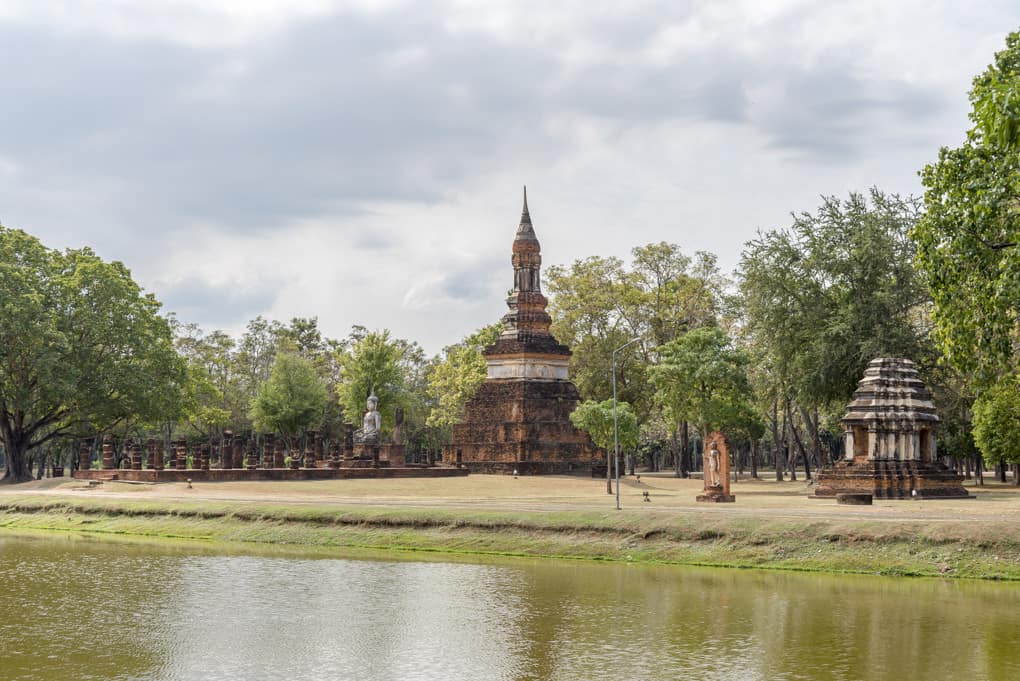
x=325, y=116
x=829, y=113
x=216, y=305
x=478, y=282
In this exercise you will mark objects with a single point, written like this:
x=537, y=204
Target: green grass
x=986, y=551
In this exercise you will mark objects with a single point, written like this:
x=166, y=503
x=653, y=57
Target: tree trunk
x=685, y=450
x=18, y=469
x=788, y=454
x=754, y=459
x=1000, y=470
x=609, y=472
x=813, y=438
x=777, y=442
x=979, y=469
x=674, y=446
x=797, y=441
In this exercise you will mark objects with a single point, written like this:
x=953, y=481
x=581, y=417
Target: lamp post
x=616, y=440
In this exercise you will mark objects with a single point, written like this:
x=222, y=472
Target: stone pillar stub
x=107, y=452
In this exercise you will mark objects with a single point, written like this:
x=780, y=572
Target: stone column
x=226, y=453
x=136, y=456
x=107, y=452
x=278, y=454
x=253, y=457
x=237, y=453
x=150, y=452
x=348, y=442
x=182, y=456
x=311, y=455
x=267, y=450
x=156, y=456
x=203, y=456
x=398, y=426
x=84, y=454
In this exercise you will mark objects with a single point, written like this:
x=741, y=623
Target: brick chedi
x=519, y=420
x=889, y=431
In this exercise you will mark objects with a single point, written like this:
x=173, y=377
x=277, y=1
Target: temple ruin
x=519, y=420
x=889, y=431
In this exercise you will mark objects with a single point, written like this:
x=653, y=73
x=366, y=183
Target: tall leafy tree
x=823, y=297
x=968, y=241
x=598, y=304
x=82, y=348
x=997, y=421
x=292, y=399
x=834, y=291
x=702, y=378
x=596, y=419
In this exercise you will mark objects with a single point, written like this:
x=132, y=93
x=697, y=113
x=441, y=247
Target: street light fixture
x=616, y=440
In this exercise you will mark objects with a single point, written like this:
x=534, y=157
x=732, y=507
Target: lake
x=75, y=608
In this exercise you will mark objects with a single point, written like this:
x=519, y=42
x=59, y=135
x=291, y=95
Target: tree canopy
x=82, y=348
x=292, y=399
x=968, y=241
x=375, y=361
x=702, y=378
x=832, y=292
x=454, y=378
x=596, y=419
x=997, y=421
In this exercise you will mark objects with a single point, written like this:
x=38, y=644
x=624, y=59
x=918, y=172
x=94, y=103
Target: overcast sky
x=362, y=161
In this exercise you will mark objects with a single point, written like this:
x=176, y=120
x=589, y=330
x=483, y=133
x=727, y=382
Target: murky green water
x=73, y=609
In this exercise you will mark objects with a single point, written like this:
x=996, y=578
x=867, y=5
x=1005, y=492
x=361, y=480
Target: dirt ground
x=992, y=502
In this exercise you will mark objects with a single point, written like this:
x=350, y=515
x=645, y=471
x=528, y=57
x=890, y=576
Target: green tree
x=820, y=299
x=968, y=241
x=82, y=348
x=213, y=394
x=394, y=368
x=596, y=419
x=702, y=378
x=454, y=378
x=598, y=304
x=292, y=399
x=997, y=421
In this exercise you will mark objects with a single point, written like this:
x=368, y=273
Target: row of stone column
x=231, y=453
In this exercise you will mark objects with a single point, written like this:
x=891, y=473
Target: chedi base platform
x=890, y=443
x=891, y=480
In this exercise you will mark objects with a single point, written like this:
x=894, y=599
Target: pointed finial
x=525, y=230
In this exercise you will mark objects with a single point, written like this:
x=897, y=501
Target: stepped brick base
x=523, y=425
x=891, y=480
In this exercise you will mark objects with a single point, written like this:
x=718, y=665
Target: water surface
x=83, y=609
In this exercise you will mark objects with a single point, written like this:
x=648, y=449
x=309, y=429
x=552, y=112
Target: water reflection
x=91, y=610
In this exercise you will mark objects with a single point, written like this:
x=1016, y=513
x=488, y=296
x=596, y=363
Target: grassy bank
x=989, y=550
